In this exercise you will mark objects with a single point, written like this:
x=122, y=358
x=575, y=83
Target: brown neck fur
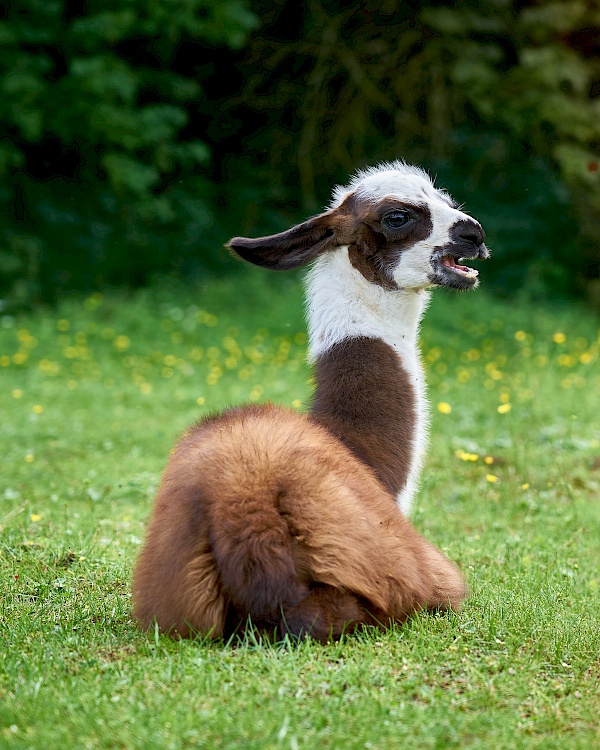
x=365, y=399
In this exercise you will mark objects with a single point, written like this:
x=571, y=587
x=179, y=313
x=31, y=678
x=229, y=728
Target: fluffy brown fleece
x=261, y=512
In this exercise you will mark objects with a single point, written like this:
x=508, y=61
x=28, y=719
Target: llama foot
x=324, y=614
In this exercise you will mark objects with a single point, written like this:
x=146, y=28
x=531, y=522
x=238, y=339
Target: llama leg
x=447, y=587
x=253, y=551
x=364, y=546
x=325, y=613
x=176, y=581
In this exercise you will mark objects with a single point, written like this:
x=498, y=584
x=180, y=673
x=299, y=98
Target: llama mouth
x=449, y=271
x=448, y=261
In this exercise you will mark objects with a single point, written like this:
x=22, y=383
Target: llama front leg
x=326, y=613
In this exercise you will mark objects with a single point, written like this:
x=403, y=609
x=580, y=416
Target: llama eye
x=397, y=219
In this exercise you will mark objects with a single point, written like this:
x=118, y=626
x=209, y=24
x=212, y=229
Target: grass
x=93, y=396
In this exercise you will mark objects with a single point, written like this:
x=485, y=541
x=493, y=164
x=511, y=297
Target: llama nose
x=471, y=231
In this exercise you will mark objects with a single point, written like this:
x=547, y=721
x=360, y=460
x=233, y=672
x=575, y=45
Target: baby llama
x=299, y=521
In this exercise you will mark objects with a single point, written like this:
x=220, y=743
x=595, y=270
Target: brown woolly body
x=263, y=513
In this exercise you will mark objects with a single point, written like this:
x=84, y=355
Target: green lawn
x=93, y=396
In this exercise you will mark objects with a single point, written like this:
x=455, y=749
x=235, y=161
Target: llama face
x=408, y=234
x=399, y=230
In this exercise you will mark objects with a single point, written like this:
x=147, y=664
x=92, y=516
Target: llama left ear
x=290, y=249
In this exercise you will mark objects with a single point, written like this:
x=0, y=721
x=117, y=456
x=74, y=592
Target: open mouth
x=449, y=270
x=449, y=262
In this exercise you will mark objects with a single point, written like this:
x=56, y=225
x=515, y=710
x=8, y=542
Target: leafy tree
x=98, y=164
x=140, y=134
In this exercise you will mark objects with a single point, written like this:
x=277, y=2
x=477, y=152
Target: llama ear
x=290, y=249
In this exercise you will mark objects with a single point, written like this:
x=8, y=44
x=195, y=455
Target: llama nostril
x=473, y=234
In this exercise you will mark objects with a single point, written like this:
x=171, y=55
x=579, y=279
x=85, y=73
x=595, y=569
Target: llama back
x=262, y=513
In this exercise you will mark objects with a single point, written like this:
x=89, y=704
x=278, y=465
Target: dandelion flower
x=491, y=478
x=256, y=392
x=464, y=456
x=504, y=408
x=35, y=517
x=444, y=408
x=559, y=337
x=122, y=343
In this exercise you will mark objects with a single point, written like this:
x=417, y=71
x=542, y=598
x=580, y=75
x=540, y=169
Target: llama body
x=296, y=520
x=286, y=527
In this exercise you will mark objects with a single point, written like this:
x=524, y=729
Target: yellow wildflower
x=464, y=456
x=122, y=343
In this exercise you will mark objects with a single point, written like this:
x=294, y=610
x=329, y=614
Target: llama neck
x=370, y=389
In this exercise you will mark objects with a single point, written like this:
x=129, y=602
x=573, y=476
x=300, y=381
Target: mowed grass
x=93, y=397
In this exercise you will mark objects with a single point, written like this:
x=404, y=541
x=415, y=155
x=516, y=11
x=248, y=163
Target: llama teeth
x=465, y=270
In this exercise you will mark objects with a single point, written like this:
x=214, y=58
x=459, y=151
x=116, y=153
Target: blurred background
x=138, y=136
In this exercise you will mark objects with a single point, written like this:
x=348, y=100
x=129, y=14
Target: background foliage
x=140, y=135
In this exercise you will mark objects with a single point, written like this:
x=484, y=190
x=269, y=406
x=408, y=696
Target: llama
x=299, y=521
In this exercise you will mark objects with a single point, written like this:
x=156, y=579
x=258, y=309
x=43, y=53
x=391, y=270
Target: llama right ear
x=290, y=249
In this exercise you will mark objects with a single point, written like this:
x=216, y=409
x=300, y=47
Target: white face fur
x=451, y=234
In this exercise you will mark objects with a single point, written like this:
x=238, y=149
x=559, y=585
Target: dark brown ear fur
x=291, y=249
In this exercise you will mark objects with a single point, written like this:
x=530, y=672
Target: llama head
x=397, y=229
